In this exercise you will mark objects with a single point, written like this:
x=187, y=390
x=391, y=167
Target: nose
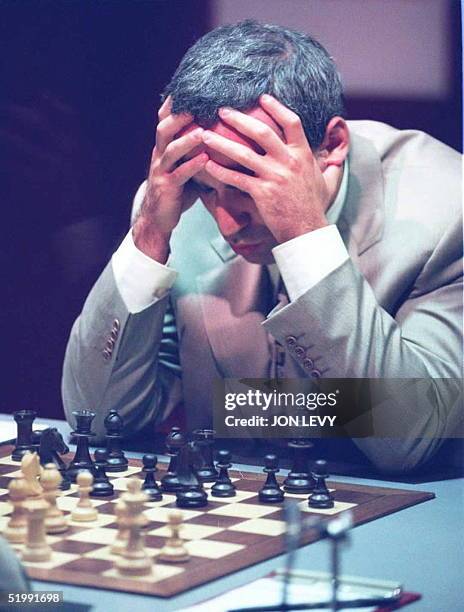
x=232, y=215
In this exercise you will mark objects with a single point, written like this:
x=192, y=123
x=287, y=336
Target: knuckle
x=293, y=120
x=294, y=164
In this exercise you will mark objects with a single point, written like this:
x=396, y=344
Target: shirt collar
x=335, y=209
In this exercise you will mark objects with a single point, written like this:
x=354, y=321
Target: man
x=361, y=222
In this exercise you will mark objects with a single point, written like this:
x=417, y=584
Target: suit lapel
x=361, y=220
x=234, y=301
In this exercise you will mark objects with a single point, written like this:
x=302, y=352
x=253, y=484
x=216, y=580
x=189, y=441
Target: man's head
x=233, y=66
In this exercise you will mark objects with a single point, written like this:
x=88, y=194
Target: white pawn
x=55, y=521
x=36, y=547
x=84, y=511
x=16, y=529
x=134, y=559
x=174, y=550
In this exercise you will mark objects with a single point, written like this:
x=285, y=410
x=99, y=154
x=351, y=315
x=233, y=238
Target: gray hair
x=234, y=64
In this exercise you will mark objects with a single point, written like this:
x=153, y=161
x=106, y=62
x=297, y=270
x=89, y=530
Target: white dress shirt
x=302, y=262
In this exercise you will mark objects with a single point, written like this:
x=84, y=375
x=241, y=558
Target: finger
x=185, y=171
x=168, y=128
x=286, y=118
x=237, y=152
x=180, y=147
x=255, y=129
x=240, y=181
x=165, y=109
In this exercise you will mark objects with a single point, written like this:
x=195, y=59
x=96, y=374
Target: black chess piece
x=174, y=442
x=223, y=487
x=150, y=486
x=117, y=462
x=320, y=497
x=191, y=493
x=299, y=479
x=82, y=459
x=24, y=443
x=271, y=493
x=102, y=487
x=50, y=446
x=205, y=440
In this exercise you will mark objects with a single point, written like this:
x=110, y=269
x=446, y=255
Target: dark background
x=80, y=85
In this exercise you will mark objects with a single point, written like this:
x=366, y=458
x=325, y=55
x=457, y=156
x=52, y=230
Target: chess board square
x=9, y=461
x=3, y=522
x=152, y=541
x=208, y=485
x=74, y=547
x=131, y=470
x=69, y=503
x=104, y=553
x=267, y=527
x=160, y=572
x=237, y=498
x=354, y=497
x=58, y=559
x=83, y=564
x=161, y=514
x=168, y=498
x=5, y=508
x=14, y=474
x=6, y=469
x=210, y=549
x=4, y=482
x=338, y=507
x=97, y=535
x=243, y=510
x=188, y=531
x=215, y=521
x=239, y=537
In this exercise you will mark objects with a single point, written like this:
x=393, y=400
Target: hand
x=287, y=184
x=168, y=194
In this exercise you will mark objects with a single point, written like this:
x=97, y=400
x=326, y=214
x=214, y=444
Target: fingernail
x=266, y=98
x=225, y=111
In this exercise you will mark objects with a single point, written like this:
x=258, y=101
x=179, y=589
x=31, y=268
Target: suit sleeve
x=347, y=334
x=139, y=375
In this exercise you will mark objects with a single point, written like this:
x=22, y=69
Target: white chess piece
x=36, y=547
x=55, y=521
x=16, y=528
x=174, y=551
x=84, y=510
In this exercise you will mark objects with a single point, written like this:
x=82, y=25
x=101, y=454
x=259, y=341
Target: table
x=422, y=547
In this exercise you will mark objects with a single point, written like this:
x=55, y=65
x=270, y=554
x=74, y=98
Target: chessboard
x=227, y=535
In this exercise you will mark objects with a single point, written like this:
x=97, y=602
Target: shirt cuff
x=306, y=260
x=140, y=280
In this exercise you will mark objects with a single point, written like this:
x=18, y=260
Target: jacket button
x=315, y=373
x=114, y=334
x=308, y=363
x=116, y=325
x=290, y=341
x=109, y=346
x=106, y=354
x=300, y=351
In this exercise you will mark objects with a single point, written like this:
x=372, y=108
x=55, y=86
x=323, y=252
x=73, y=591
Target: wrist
x=151, y=241
x=294, y=231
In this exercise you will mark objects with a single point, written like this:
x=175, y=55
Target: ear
x=335, y=146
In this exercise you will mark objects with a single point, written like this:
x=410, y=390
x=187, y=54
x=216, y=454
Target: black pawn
x=271, y=493
x=150, y=485
x=102, y=487
x=24, y=441
x=223, y=487
x=117, y=462
x=320, y=497
x=174, y=442
x=205, y=440
x=299, y=479
x=82, y=459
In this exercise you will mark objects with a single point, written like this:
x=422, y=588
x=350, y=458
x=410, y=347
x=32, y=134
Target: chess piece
x=102, y=486
x=320, y=497
x=50, y=446
x=84, y=511
x=117, y=462
x=271, y=493
x=299, y=479
x=174, y=550
x=30, y=468
x=120, y=542
x=134, y=560
x=55, y=521
x=150, y=486
x=174, y=442
x=191, y=493
x=16, y=528
x=24, y=443
x=205, y=441
x=36, y=547
x=223, y=487
x=82, y=460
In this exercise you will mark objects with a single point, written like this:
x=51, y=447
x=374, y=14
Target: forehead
x=229, y=132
